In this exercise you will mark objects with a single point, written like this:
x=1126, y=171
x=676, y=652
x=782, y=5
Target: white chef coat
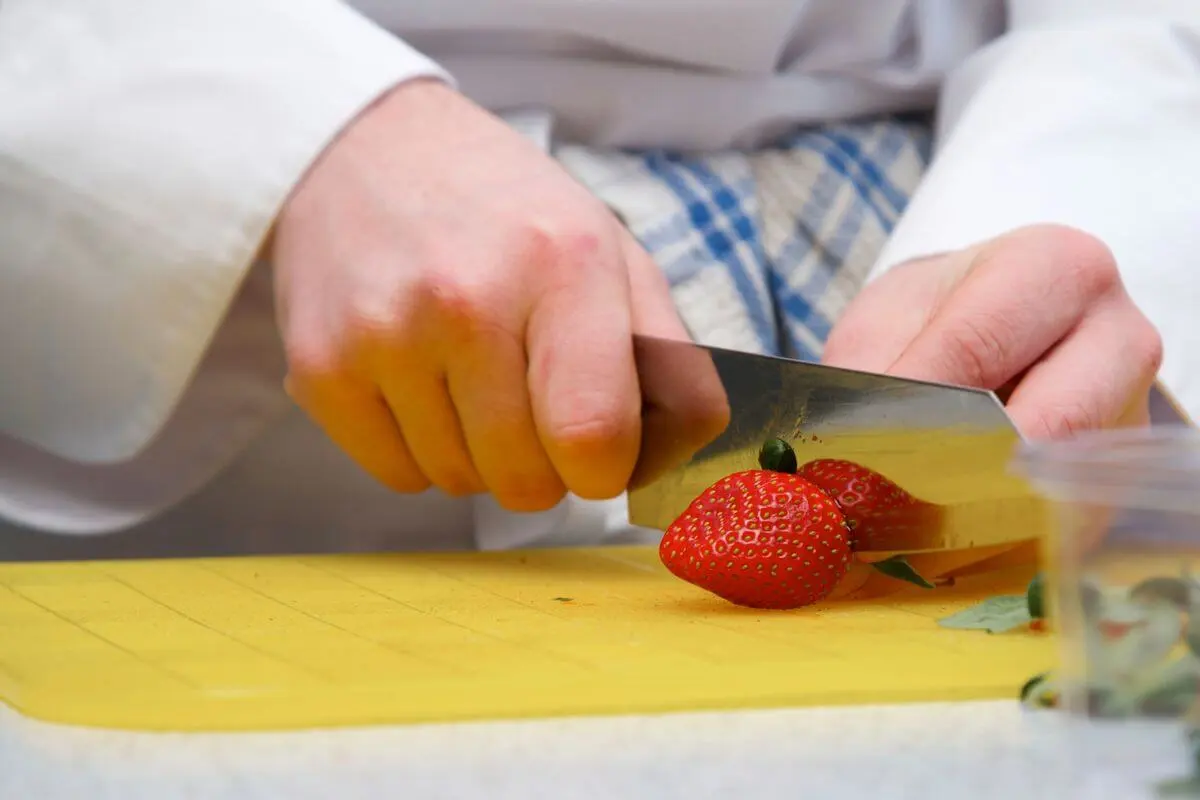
x=146, y=147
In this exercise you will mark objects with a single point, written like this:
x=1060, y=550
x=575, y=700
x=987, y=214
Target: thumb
x=890, y=312
x=684, y=404
x=653, y=310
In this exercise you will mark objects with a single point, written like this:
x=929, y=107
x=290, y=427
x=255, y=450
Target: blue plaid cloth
x=764, y=249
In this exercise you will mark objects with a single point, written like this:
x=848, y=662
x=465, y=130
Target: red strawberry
x=876, y=509
x=761, y=539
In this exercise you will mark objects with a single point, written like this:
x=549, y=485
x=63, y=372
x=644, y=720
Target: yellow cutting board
x=272, y=643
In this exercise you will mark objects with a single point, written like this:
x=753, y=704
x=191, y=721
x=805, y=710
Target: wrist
x=411, y=98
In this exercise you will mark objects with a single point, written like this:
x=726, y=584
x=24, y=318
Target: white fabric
x=144, y=152
x=992, y=750
x=1087, y=114
x=145, y=148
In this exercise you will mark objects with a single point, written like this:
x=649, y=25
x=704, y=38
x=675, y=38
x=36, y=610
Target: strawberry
x=876, y=509
x=761, y=539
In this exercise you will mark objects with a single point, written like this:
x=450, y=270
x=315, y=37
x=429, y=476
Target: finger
x=422, y=406
x=684, y=404
x=491, y=394
x=357, y=419
x=1099, y=376
x=1025, y=292
x=653, y=311
x=582, y=380
x=888, y=314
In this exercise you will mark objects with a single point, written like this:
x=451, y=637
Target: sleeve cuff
x=137, y=200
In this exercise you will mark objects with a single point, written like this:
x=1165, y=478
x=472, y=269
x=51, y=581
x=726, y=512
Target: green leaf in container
x=1040, y=692
x=994, y=615
x=777, y=455
x=1171, y=697
x=1189, y=785
x=898, y=567
x=1032, y=684
x=1035, y=597
x=1181, y=787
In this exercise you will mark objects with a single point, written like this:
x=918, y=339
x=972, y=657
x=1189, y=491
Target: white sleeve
x=145, y=149
x=1085, y=113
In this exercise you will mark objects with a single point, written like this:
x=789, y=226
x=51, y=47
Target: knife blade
x=708, y=410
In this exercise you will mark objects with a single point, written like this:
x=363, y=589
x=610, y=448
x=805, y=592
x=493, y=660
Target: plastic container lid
x=1154, y=468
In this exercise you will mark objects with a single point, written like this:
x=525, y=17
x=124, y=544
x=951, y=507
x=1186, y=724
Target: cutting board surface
x=271, y=643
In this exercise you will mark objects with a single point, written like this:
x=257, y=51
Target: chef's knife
x=708, y=411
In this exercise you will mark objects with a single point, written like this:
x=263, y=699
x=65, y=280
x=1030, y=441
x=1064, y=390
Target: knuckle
x=596, y=431
x=376, y=317
x=530, y=494
x=456, y=486
x=1084, y=259
x=449, y=297
x=402, y=480
x=434, y=305
x=1147, y=344
x=977, y=349
x=1063, y=237
x=556, y=242
x=310, y=361
x=1065, y=419
x=461, y=311
x=454, y=473
x=578, y=245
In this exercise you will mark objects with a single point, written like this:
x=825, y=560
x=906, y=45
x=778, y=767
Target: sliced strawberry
x=761, y=539
x=878, y=511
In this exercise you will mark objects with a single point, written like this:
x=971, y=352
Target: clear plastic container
x=1124, y=572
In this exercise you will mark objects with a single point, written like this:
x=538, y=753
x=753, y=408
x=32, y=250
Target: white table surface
x=962, y=750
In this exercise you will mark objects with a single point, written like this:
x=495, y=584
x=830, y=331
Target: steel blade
x=708, y=411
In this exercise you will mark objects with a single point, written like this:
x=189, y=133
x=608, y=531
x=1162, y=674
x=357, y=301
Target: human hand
x=1039, y=315
x=457, y=311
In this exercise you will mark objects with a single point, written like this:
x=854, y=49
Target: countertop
x=959, y=750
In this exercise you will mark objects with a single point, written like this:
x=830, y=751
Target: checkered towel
x=764, y=250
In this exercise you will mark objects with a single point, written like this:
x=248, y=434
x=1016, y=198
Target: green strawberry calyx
x=1035, y=597
x=898, y=567
x=776, y=455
